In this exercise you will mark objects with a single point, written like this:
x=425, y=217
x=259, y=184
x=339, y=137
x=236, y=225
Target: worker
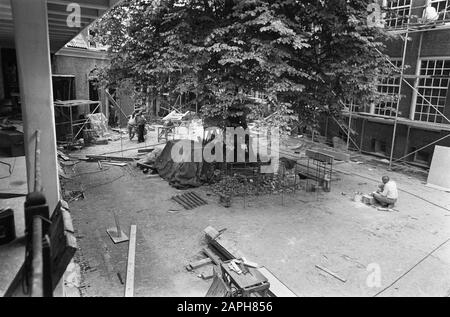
x=430, y=13
x=387, y=193
x=140, y=122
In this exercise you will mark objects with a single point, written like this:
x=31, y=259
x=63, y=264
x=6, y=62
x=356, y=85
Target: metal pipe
x=184, y=202
x=195, y=198
x=175, y=198
x=191, y=200
x=448, y=135
x=37, y=266
x=199, y=198
x=188, y=202
x=349, y=125
x=405, y=47
x=418, y=93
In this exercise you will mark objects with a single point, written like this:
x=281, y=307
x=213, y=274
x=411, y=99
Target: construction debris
x=190, y=200
x=110, y=158
x=368, y=200
x=331, y=273
x=195, y=265
x=241, y=185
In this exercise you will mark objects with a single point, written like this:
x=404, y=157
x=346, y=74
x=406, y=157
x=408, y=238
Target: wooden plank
x=277, y=288
x=129, y=284
x=331, y=273
x=325, y=154
x=62, y=242
x=319, y=156
x=207, y=276
x=200, y=263
x=63, y=156
x=211, y=233
x=225, y=247
x=210, y=253
x=111, y=158
x=145, y=150
x=113, y=163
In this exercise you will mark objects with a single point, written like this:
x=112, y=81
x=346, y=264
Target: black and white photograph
x=224, y=154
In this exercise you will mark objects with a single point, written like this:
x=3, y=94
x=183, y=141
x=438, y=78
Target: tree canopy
x=303, y=56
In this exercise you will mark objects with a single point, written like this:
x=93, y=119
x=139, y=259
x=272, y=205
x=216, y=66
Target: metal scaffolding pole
x=349, y=125
x=418, y=93
x=405, y=47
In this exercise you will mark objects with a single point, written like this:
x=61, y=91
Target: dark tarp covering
x=185, y=174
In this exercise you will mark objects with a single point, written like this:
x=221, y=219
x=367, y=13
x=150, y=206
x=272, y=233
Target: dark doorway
x=93, y=93
x=63, y=87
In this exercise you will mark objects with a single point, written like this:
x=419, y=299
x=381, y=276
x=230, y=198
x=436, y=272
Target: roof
x=78, y=42
x=59, y=32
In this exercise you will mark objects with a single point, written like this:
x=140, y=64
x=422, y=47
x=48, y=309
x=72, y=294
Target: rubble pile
x=263, y=184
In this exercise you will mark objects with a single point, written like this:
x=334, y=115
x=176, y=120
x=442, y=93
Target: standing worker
x=387, y=193
x=140, y=122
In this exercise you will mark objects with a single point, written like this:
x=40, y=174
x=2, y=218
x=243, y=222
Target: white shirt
x=430, y=14
x=390, y=190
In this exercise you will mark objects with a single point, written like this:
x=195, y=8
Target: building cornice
x=83, y=53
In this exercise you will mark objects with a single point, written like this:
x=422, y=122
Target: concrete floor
x=327, y=229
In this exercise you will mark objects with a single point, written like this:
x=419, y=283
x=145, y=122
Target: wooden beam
x=200, y=263
x=212, y=255
x=111, y=158
x=63, y=241
x=277, y=288
x=129, y=284
x=225, y=247
x=36, y=93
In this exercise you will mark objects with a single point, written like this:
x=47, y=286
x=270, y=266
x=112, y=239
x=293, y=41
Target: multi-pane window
x=389, y=86
x=432, y=88
x=442, y=5
x=398, y=13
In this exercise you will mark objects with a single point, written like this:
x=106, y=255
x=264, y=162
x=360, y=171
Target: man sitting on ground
x=387, y=194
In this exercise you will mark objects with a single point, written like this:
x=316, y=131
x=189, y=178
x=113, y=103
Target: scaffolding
x=410, y=28
x=74, y=126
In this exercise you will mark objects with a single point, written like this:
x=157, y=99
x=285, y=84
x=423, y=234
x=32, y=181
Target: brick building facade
x=427, y=62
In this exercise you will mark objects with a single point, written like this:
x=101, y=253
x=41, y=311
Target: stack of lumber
x=228, y=251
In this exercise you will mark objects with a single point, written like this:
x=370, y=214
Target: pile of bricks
x=239, y=185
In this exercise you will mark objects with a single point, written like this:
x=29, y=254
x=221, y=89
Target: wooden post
x=36, y=93
x=119, y=231
x=129, y=284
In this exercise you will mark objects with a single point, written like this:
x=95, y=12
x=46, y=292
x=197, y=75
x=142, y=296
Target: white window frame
x=418, y=86
x=393, y=82
x=397, y=9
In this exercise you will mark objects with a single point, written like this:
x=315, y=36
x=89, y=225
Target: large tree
x=304, y=56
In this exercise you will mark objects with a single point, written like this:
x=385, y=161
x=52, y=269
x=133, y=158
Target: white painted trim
x=82, y=53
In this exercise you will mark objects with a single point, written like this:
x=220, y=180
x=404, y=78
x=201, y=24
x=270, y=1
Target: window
x=378, y=146
x=391, y=87
x=398, y=13
x=421, y=156
x=433, y=86
x=441, y=5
